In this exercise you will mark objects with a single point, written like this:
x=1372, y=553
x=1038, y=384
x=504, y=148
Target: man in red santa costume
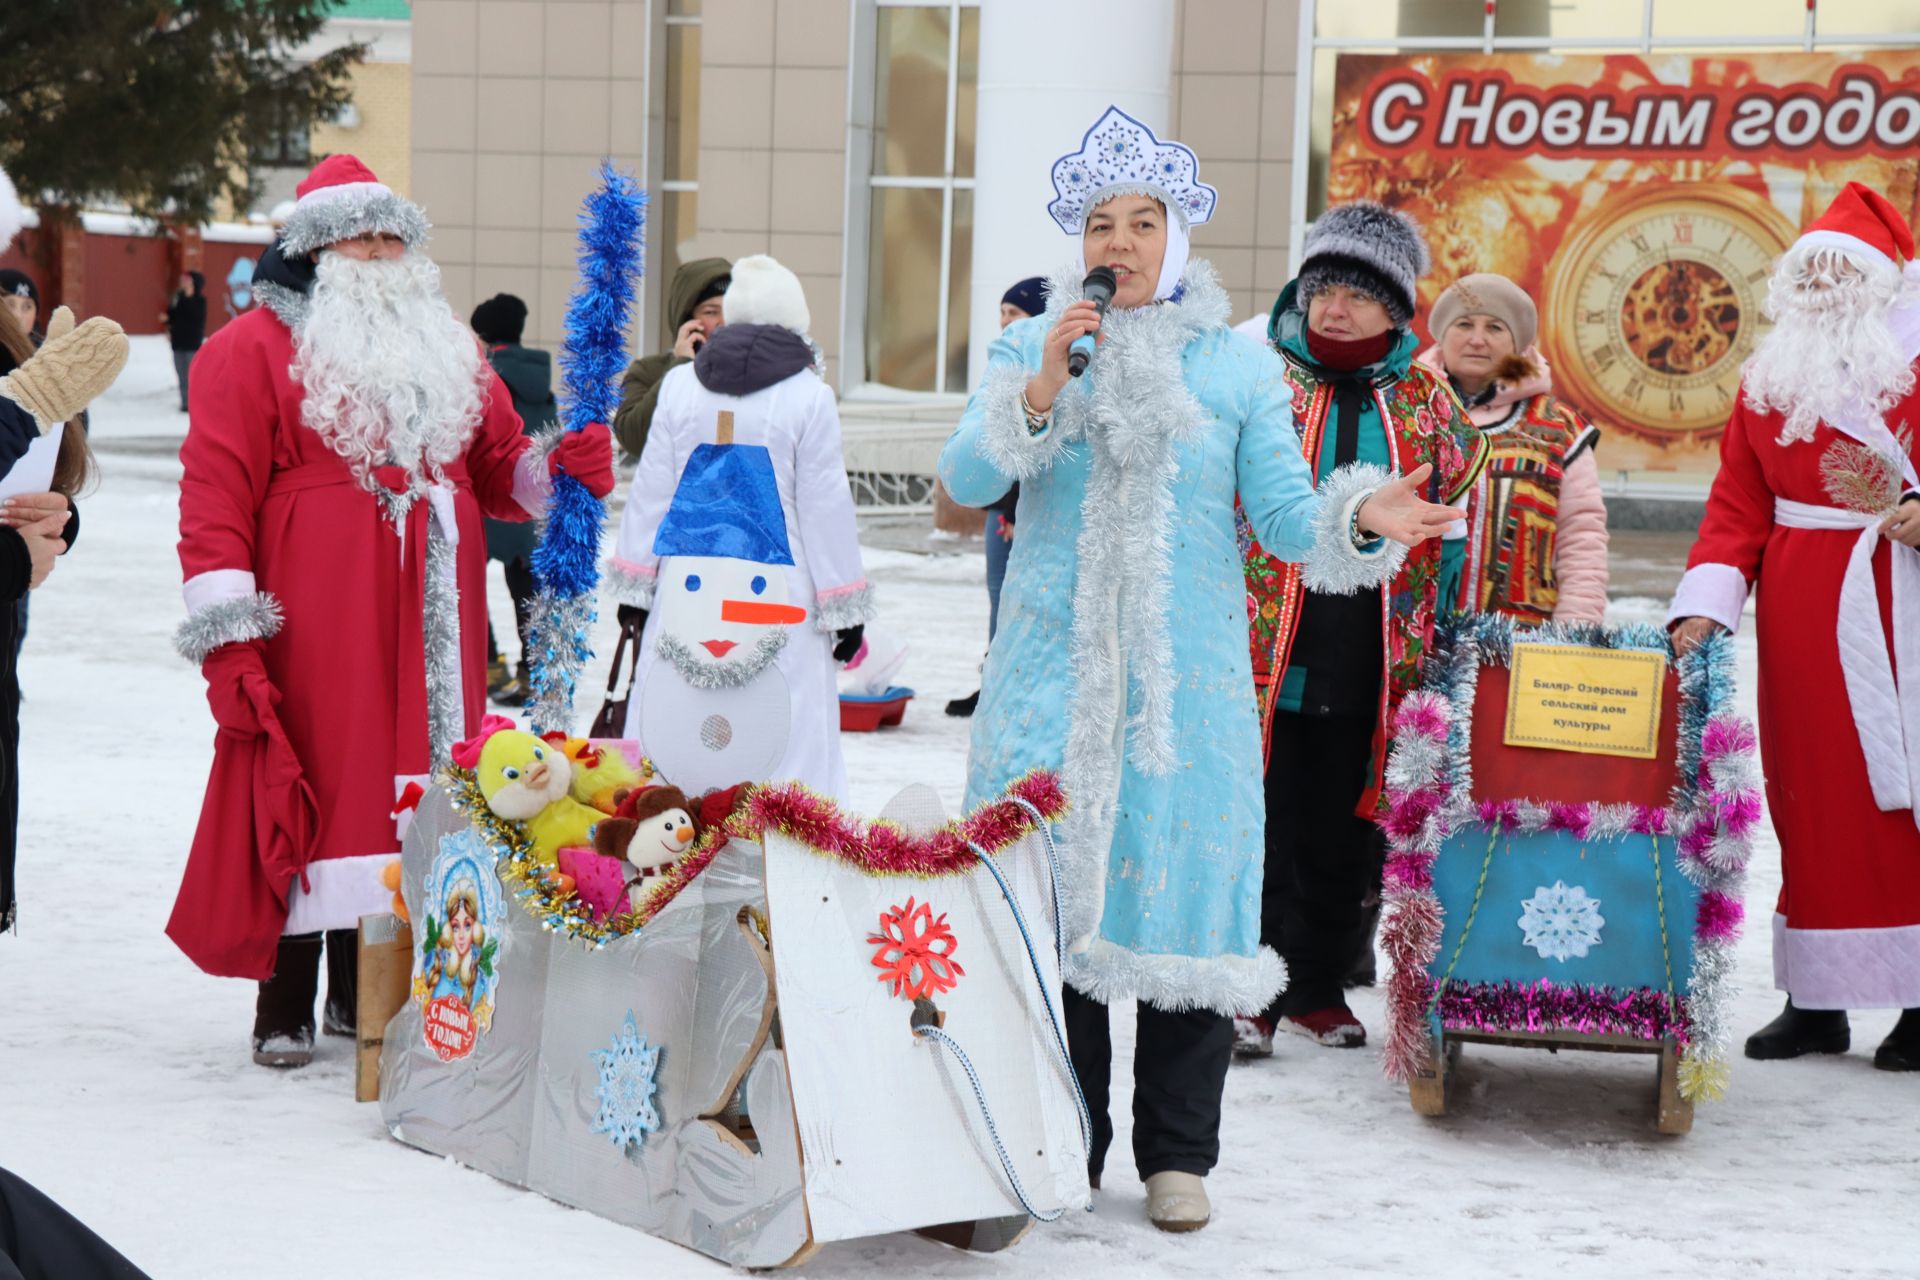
x=1817, y=502
x=345, y=441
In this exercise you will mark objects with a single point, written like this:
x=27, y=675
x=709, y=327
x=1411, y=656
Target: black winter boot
x=343, y=982
x=283, y=1014
x=1900, y=1051
x=517, y=691
x=1797, y=1031
x=1365, y=967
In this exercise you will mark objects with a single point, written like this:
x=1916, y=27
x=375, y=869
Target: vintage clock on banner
x=1655, y=299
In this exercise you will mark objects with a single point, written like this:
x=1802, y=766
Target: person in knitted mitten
x=73, y=366
x=43, y=389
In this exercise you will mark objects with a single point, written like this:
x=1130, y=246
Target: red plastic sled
x=865, y=714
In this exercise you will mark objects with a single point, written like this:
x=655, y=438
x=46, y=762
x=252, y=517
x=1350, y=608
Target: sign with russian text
x=1596, y=701
x=1641, y=201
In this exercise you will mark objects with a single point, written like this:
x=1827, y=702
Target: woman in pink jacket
x=1533, y=544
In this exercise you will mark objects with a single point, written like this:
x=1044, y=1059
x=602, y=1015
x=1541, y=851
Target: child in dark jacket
x=499, y=322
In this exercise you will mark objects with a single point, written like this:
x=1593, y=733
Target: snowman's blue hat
x=727, y=504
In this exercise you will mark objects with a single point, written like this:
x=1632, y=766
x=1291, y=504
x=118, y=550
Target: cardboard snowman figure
x=739, y=542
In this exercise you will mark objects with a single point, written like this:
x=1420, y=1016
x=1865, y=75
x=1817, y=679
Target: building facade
x=848, y=138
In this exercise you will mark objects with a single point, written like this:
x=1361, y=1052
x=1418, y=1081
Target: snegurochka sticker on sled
x=457, y=967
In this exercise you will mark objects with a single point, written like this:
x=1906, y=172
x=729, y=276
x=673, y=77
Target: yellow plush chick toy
x=528, y=781
x=602, y=774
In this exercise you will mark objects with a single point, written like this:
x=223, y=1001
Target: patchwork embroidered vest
x=1425, y=423
x=1513, y=513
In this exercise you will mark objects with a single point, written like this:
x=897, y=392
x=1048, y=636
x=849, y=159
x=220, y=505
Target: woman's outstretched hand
x=1396, y=510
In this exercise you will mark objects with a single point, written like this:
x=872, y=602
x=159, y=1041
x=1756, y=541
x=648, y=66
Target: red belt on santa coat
x=411, y=750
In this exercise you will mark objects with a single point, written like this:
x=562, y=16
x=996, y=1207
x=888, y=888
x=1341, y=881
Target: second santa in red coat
x=346, y=440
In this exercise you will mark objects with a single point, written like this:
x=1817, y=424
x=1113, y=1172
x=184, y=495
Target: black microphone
x=1098, y=289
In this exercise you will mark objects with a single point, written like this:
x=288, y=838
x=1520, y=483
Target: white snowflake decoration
x=1562, y=922
x=627, y=1113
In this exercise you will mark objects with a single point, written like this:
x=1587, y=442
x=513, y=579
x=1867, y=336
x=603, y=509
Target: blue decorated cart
x=1566, y=867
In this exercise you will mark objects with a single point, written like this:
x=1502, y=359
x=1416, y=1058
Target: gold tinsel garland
x=560, y=910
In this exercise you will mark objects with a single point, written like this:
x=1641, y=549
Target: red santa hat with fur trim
x=1863, y=222
x=342, y=199
x=13, y=214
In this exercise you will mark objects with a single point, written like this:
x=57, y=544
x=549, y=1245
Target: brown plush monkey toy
x=650, y=831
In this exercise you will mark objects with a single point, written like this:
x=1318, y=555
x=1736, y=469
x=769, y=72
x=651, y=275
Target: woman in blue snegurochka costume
x=1122, y=657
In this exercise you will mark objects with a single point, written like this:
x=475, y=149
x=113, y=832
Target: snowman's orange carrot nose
x=760, y=611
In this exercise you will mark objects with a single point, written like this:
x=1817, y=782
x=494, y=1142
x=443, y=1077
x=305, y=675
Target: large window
x=676, y=195
x=918, y=192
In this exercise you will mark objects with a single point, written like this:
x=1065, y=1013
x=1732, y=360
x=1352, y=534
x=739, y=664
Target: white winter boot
x=1178, y=1201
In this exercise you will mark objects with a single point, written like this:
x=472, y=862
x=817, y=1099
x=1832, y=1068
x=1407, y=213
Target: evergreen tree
x=156, y=104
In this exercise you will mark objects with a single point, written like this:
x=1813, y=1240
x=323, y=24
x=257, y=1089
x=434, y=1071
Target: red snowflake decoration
x=916, y=951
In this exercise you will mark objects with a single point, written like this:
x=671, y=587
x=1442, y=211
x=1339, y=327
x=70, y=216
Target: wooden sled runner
x=1429, y=1086
x=747, y=1073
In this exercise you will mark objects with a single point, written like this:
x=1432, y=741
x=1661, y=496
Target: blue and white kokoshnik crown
x=1119, y=153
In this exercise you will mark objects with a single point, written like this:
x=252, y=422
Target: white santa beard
x=389, y=373
x=1832, y=355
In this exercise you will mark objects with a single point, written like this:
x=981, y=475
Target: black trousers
x=521, y=588
x=41, y=1241
x=1322, y=860
x=1179, y=1071
x=285, y=1003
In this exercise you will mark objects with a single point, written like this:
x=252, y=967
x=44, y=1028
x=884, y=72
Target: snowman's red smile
x=718, y=648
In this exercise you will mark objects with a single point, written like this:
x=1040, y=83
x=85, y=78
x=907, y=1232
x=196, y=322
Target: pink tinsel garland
x=1726, y=735
x=1651, y=822
x=1574, y=819
x=1410, y=934
x=1644, y=1013
x=1423, y=714
x=1718, y=916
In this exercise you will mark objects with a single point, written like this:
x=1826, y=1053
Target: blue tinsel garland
x=566, y=563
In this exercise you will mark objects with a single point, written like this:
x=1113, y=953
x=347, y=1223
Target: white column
x=1047, y=71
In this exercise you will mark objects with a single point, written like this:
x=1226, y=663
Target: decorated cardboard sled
x=731, y=1016
x=807, y=1028
x=1569, y=814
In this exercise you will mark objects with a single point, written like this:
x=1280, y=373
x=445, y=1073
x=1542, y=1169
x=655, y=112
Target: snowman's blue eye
x=759, y=586
x=693, y=582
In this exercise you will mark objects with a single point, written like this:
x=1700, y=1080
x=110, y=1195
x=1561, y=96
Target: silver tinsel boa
x=702, y=674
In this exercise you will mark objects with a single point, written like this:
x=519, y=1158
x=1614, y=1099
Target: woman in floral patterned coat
x=1330, y=670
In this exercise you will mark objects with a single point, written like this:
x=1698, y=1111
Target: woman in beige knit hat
x=1533, y=545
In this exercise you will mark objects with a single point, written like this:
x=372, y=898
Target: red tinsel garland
x=881, y=847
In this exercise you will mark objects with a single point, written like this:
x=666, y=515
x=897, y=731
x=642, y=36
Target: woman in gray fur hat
x=1328, y=674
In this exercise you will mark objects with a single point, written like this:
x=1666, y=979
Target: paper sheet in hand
x=33, y=473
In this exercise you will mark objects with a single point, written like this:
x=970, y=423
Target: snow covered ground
x=126, y=1091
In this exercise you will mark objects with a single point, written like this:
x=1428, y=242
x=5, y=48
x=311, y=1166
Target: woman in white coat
x=738, y=562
